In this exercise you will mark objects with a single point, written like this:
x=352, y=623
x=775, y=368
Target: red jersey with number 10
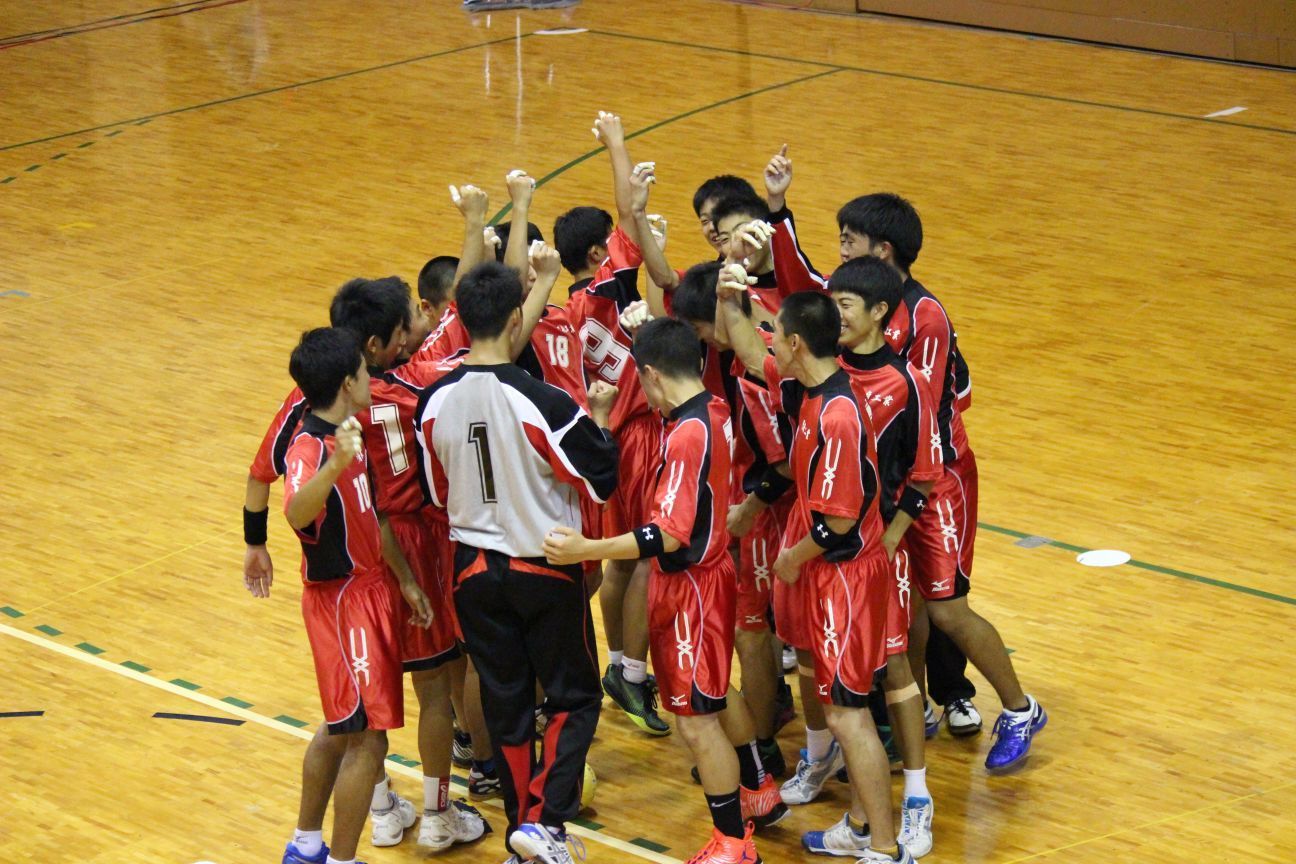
x=344, y=538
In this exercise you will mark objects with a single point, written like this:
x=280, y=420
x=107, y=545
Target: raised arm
x=520, y=188
x=472, y=203
x=608, y=129
x=661, y=276
x=747, y=345
x=544, y=258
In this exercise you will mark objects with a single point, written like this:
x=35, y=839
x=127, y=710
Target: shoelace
x=961, y=706
x=577, y=845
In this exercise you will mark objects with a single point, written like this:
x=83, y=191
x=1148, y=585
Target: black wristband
x=912, y=502
x=823, y=535
x=254, y=526
x=649, y=538
x=772, y=486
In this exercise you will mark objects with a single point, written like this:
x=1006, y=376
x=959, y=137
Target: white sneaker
x=458, y=823
x=538, y=844
x=916, y=826
x=963, y=718
x=840, y=840
x=789, y=660
x=872, y=856
x=389, y=825
x=805, y=786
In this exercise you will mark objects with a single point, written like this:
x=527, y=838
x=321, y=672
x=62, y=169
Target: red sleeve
x=623, y=253
x=928, y=461
x=929, y=352
x=304, y=458
x=268, y=465
x=763, y=410
x=837, y=487
x=449, y=338
x=424, y=373
x=774, y=383
x=792, y=269
x=675, y=498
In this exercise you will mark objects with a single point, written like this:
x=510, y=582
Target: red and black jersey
x=596, y=310
x=691, y=497
x=388, y=427
x=834, y=465
x=902, y=415
x=921, y=332
x=344, y=540
x=268, y=465
x=792, y=272
x=448, y=339
x=553, y=354
x=765, y=429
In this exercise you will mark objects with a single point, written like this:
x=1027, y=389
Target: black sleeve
x=593, y=454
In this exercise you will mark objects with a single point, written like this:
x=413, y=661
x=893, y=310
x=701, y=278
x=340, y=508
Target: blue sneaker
x=931, y=723
x=1013, y=734
x=293, y=856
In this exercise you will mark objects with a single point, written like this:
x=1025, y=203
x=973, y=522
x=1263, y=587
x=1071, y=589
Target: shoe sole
x=773, y=817
x=484, y=796
x=833, y=852
x=643, y=725
x=965, y=731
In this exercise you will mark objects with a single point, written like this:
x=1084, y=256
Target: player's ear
x=372, y=347
x=596, y=255
x=879, y=310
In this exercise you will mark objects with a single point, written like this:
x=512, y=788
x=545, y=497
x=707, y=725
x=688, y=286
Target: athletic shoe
x=1013, y=735
x=931, y=722
x=293, y=856
x=537, y=843
x=916, y=826
x=963, y=718
x=807, y=783
x=389, y=825
x=638, y=701
x=723, y=849
x=461, y=752
x=784, y=708
x=872, y=856
x=458, y=823
x=789, y=660
x=763, y=807
x=839, y=840
x=483, y=784
x=541, y=721
x=772, y=759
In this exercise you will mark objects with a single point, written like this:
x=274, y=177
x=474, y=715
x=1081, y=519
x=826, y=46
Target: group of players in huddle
x=763, y=458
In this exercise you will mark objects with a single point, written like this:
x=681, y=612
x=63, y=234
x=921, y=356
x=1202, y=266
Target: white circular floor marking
x=1103, y=558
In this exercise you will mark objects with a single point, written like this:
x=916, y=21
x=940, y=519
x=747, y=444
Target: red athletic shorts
x=756, y=553
x=355, y=639
x=691, y=636
x=848, y=619
x=941, y=541
x=640, y=450
x=900, y=607
x=424, y=537
x=792, y=612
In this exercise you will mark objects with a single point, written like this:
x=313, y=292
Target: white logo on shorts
x=679, y=702
x=831, y=646
x=360, y=658
x=683, y=641
x=949, y=528
x=761, y=564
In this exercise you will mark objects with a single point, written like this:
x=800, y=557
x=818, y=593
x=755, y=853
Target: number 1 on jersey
x=477, y=436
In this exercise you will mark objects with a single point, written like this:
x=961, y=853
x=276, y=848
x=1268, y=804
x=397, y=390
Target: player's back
x=503, y=452
x=698, y=440
x=553, y=354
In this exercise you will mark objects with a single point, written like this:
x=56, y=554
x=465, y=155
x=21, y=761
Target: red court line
x=106, y=26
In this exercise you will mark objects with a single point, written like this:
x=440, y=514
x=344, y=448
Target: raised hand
x=545, y=260
x=641, y=178
x=749, y=239
x=520, y=186
x=778, y=177
x=635, y=316
x=470, y=200
x=607, y=128
x=732, y=282
x=350, y=442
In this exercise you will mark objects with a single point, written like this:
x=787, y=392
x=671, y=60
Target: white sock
x=436, y=794
x=1025, y=712
x=332, y=860
x=308, y=843
x=818, y=742
x=915, y=784
x=381, y=796
x=634, y=671
x=614, y=657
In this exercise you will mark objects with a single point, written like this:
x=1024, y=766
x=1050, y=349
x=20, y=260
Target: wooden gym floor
x=182, y=189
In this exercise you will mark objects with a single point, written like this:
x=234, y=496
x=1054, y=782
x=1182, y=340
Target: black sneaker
x=483, y=784
x=638, y=701
x=784, y=707
x=772, y=759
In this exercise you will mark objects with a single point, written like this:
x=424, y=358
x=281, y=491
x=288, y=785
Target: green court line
x=237, y=703
x=403, y=760
x=588, y=824
x=292, y=721
x=138, y=667
x=983, y=88
x=645, y=843
x=254, y=94
x=50, y=631
x=89, y=649
x=1155, y=568
x=188, y=685
x=11, y=612
x=507, y=208
x=8, y=180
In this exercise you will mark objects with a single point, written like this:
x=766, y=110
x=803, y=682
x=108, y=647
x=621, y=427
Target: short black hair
x=813, y=317
x=885, y=216
x=322, y=361
x=437, y=278
x=871, y=280
x=371, y=307
x=720, y=187
x=504, y=229
x=578, y=231
x=695, y=297
x=487, y=296
x=670, y=346
x=752, y=206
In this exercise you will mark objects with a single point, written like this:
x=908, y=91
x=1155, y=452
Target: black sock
x=726, y=813
x=749, y=766
x=765, y=744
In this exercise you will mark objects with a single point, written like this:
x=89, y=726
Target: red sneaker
x=763, y=806
x=728, y=850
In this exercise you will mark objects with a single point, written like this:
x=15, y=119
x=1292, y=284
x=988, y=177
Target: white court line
x=1227, y=112
x=261, y=719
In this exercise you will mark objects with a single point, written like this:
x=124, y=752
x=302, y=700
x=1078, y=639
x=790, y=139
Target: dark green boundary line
x=1155, y=568
x=983, y=88
x=338, y=77
x=507, y=208
x=64, y=154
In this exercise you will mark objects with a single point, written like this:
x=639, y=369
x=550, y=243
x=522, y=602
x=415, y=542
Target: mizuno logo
x=678, y=702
